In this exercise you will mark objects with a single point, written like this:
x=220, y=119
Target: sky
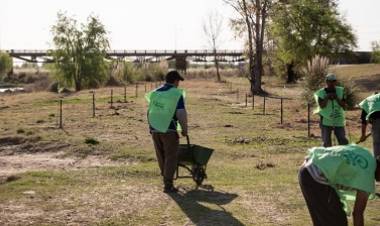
x=150, y=24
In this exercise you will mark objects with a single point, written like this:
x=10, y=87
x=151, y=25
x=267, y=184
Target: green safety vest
x=370, y=105
x=162, y=107
x=347, y=168
x=333, y=114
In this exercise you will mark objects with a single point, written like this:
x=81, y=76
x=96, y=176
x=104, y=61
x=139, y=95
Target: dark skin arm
x=364, y=132
x=360, y=205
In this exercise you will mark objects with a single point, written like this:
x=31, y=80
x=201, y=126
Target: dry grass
x=116, y=182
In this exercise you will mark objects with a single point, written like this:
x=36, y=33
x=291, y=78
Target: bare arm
x=360, y=205
x=181, y=115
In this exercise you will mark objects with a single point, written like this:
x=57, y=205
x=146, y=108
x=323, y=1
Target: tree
x=305, y=28
x=252, y=21
x=375, y=58
x=80, y=53
x=6, y=64
x=212, y=29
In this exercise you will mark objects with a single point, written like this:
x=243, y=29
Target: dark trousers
x=322, y=201
x=376, y=136
x=166, y=145
x=339, y=132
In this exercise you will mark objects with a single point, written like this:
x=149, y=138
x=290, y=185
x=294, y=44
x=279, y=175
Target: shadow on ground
x=206, y=207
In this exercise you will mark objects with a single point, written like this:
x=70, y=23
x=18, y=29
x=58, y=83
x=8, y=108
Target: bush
x=91, y=141
x=350, y=89
x=375, y=58
x=144, y=72
x=6, y=64
x=314, y=74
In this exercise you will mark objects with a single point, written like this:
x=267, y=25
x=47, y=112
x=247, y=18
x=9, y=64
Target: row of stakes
x=309, y=106
x=111, y=102
x=157, y=84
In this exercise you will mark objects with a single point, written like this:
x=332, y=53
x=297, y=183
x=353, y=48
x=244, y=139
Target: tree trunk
x=259, y=36
x=290, y=73
x=251, y=57
x=216, y=61
x=78, y=85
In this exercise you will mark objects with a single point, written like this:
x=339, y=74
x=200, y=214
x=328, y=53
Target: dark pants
x=166, y=145
x=376, y=136
x=322, y=201
x=339, y=132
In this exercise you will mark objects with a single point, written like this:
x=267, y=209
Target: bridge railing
x=135, y=52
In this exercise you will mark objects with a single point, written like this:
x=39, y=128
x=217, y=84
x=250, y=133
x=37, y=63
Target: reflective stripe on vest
x=371, y=105
x=347, y=168
x=162, y=107
x=333, y=114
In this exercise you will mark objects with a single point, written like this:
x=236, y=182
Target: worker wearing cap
x=166, y=110
x=336, y=181
x=331, y=104
x=371, y=113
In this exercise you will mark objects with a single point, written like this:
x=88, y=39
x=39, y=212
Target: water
x=14, y=89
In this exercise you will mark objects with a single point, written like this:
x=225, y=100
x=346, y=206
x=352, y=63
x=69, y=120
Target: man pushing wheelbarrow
x=166, y=110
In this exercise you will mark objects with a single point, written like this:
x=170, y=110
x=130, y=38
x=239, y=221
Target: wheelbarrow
x=193, y=159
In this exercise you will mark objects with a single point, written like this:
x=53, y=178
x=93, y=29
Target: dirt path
x=20, y=163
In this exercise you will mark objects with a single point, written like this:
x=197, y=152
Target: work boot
x=169, y=187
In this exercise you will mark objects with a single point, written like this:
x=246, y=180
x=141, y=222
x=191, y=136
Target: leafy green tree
x=6, y=64
x=80, y=52
x=375, y=52
x=305, y=28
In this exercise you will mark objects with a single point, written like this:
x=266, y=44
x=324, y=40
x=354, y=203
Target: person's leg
x=326, y=135
x=159, y=151
x=170, y=143
x=376, y=136
x=340, y=134
x=322, y=201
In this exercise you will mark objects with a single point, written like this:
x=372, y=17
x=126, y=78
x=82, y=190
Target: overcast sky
x=149, y=24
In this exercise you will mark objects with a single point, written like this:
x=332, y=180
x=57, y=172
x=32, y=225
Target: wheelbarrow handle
x=188, y=140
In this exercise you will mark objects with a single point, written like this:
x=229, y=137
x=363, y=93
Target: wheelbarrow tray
x=194, y=154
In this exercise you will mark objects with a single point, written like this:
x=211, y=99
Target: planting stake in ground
x=60, y=115
x=282, y=111
x=111, y=102
x=308, y=120
x=125, y=94
x=93, y=104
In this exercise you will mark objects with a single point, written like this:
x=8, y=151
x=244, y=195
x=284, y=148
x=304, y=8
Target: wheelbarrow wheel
x=199, y=175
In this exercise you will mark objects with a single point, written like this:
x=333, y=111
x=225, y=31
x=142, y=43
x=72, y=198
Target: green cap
x=330, y=77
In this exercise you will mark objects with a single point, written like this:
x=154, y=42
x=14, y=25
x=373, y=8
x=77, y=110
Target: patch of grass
x=44, y=183
x=20, y=131
x=91, y=141
x=127, y=153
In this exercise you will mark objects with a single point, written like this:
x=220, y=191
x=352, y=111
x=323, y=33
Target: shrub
x=91, y=141
x=6, y=64
x=350, y=89
x=133, y=73
x=314, y=74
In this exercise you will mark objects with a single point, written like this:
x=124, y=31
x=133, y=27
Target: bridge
x=180, y=56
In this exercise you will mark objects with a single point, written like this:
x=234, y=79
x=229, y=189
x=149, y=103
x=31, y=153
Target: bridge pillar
x=181, y=63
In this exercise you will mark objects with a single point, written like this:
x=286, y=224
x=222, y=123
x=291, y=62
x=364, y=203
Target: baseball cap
x=173, y=76
x=330, y=77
